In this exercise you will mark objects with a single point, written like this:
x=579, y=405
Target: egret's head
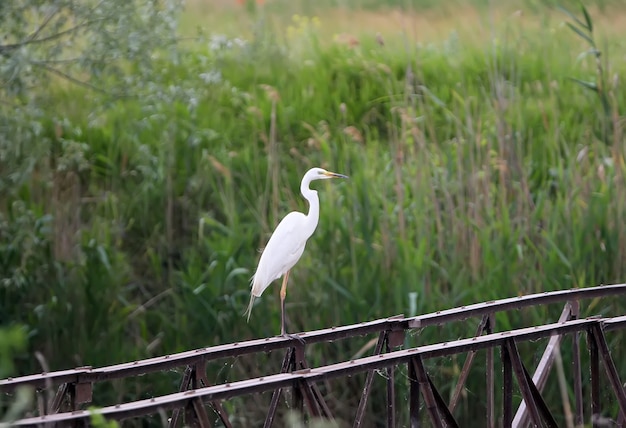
x=322, y=174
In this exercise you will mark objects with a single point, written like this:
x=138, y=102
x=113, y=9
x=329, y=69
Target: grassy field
x=479, y=170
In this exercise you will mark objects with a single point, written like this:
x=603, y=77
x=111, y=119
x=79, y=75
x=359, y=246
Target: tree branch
x=79, y=82
x=69, y=77
x=45, y=22
x=29, y=41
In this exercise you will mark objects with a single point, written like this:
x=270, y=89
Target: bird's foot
x=293, y=337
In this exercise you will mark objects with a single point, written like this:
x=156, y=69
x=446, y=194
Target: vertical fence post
x=414, y=397
x=594, y=368
x=578, y=389
x=490, y=328
x=507, y=387
x=391, y=392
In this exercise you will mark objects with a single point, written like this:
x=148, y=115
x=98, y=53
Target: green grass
x=478, y=171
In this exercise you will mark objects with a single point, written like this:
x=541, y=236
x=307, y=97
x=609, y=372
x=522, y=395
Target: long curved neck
x=314, y=207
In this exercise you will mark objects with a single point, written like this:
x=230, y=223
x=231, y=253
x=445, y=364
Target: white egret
x=287, y=243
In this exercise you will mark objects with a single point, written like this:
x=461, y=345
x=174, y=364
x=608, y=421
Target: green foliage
x=12, y=341
x=99, y=421
x=85, y=42
x=12, y=344
x=133, y=204
x=584, y=29
x=429, y=5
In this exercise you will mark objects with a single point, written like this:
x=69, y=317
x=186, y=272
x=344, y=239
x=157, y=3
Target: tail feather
x=249, y=310
x=252, y=297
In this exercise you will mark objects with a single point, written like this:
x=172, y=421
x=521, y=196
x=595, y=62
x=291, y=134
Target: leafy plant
x=12, y=343
x=99, y=421
x=584, y=29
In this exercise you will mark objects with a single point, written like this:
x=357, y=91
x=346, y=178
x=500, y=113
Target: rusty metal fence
x=189, y=404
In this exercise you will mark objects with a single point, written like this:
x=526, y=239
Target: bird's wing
x=282, y=251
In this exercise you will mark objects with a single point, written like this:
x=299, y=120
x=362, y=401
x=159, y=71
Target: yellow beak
x=335, y=175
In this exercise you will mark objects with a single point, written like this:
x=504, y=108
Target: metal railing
x=76, y=385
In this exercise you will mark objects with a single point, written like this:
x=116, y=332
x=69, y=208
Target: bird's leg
x=283, y=295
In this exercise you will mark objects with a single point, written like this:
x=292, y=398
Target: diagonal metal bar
x=541, y=404
x=297, y=400
x=195, y=377
x=391, y=390
x=319, y=398
x=491, y=415
x=309, y=398
x=576, y=367
x=316, y=393
x=391, y=396
x=202, y=382
x=298, y=397
x=429, y=397
x=609, y=366
x=518, y=369
x=507, y=387
x=301, y=364
x=414, y=397
x=271, y=412
x=303, y=391
x=441, y=405
x=594, y=368
x=200, y=413
x=311, y=393
x=543, y=368
x=189, y=417
x=58, y=399
x=184, y=386
x=467, y=366
x=621, y=419
x=360, y=412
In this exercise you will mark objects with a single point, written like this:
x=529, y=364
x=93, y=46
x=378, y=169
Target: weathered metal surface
x=360, y=412
x=167, y=362
x=381, y=361
x=535, y=404
x=480, y=309
x=39, y=380
x=195, y=377
x=598, y=336
x=507, y=386
x=414, y=397
x=184, y=386
x=76, y=385
x=182, y=359
x=467, y=366
x=543, y=368
x=427, y=392
x=391, y=389
x=386, y=340
x=576, y=367
x=444, y=411
x=271, y=414
x=491, y=406
x=594, y=369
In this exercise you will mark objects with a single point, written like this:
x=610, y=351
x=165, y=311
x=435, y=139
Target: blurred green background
x=148, y=149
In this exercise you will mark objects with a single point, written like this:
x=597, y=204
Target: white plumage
x=280, y=253
x=287, y=243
